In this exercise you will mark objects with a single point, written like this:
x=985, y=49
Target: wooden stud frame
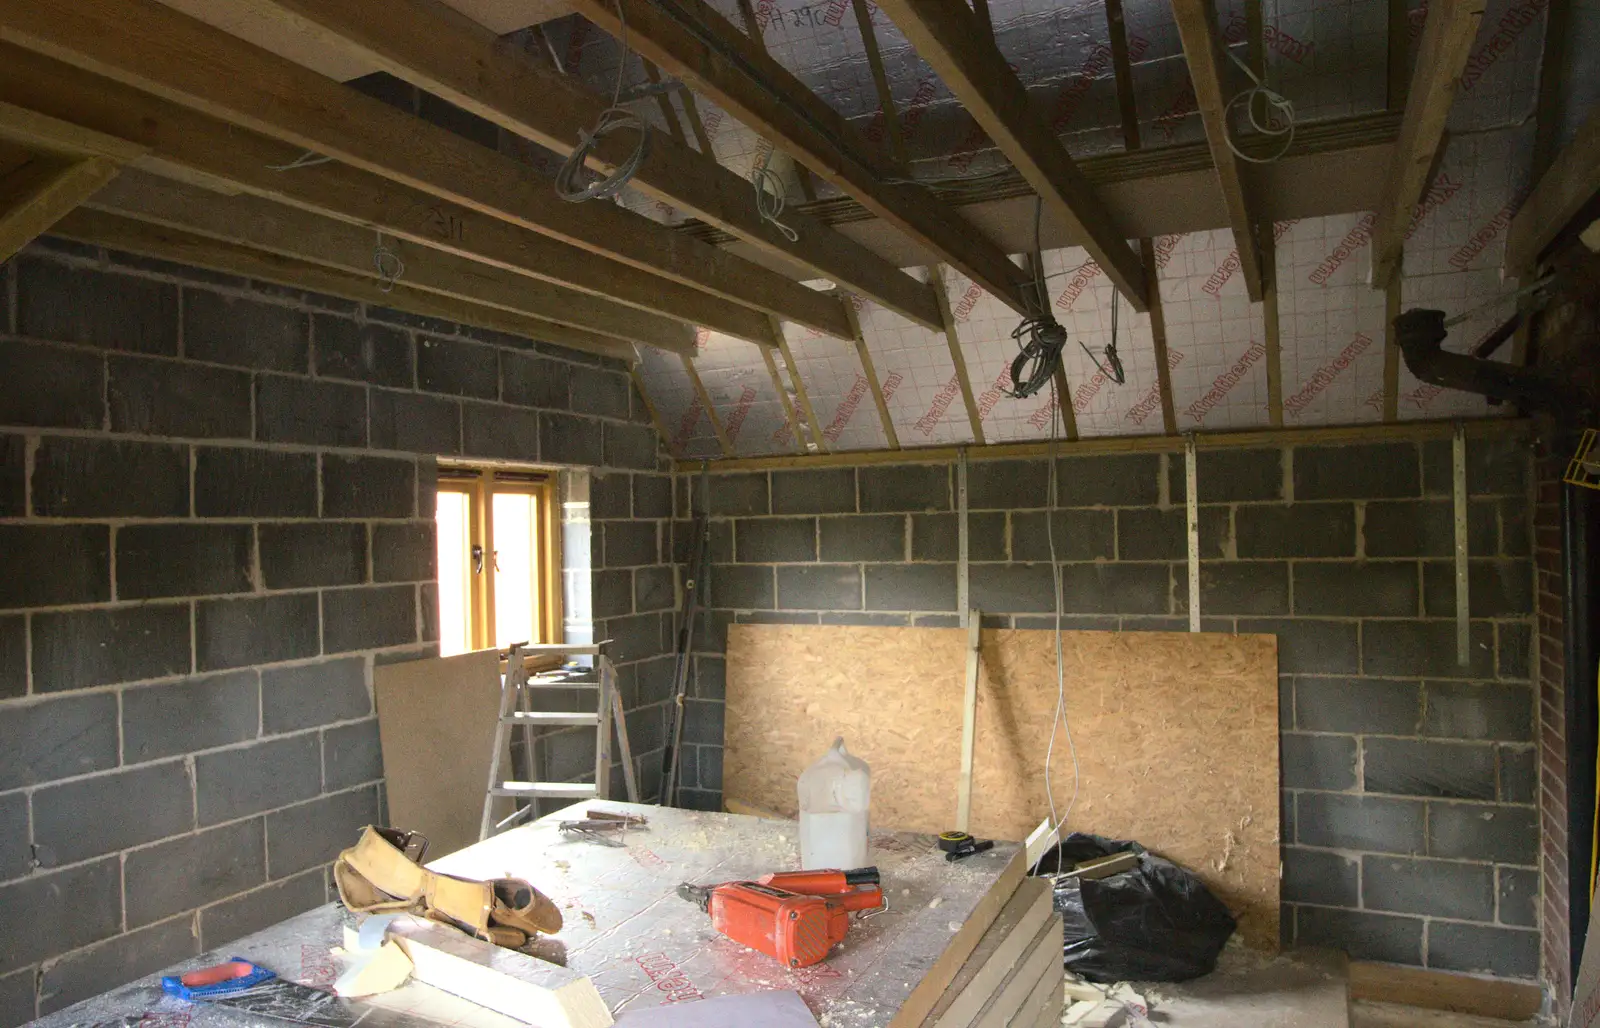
x=42, y=192
x=480, y=482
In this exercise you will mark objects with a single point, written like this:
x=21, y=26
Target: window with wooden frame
x=499, y=558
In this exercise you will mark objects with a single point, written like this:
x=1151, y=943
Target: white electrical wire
x=613, y=119
x=309, y=159
x=1061, y=722
x=390, y=266
x=771, y=196
x=1278, y=109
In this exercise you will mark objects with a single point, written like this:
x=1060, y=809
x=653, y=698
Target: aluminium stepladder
x=517, y=712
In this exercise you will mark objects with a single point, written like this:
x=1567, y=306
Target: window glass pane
x=455, y=572
x=516, y=592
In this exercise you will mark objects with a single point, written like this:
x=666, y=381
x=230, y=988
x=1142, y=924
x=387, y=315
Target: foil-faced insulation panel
x=1215, y=339
x=836, y=384
x=741, y=389
x=683, y=416
x=918, y=377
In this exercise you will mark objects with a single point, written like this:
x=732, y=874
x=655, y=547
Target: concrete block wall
x=216, y=502
x=1410, y=828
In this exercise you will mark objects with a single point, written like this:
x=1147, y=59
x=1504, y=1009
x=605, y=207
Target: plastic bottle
x=834, y=796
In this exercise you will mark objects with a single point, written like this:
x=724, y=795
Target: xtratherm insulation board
x=917, y=375
x=1176, y=737
x=741, y=389
x=838, y=389
x=1215, y=336
x=683, y=416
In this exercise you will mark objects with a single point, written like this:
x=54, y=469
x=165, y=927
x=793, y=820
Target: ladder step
x=548, y=790
x=537, y=718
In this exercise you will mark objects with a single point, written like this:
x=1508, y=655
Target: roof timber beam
x=190, y=145
x=42, y=192
x=451, y=56
x=949, y=37
x=1570, y=183
x=119, y=233
x=692, y=41
x=291, y=232
x=152, y=47
x=1447, y=38
x=1203, y=47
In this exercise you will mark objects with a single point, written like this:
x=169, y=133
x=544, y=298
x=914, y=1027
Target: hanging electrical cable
x=1112, y=369
x=1040, y=338
x=772, y=196
x=615, y=118
x=1276, y=119
x=309, y=159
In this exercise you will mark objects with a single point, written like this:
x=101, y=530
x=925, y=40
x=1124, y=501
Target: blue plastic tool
x=235, y=976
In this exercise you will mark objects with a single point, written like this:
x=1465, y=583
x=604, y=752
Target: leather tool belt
x=383, y=874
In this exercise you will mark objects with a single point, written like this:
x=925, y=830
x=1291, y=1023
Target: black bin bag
x=1155, y=922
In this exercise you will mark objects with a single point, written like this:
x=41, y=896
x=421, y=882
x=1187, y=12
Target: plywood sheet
x=1176, y=737
x=436, y=721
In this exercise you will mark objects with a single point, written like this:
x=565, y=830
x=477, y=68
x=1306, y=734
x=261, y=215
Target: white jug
x=834, y=795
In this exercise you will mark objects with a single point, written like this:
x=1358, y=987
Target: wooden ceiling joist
x=42, y=192
x=1566, y=188
x=260, y=224
x=949, y=37
x=118, y=233
x=689, y=39
x=438, y=50
x=1447, y=38
x=1203, y=46
x=185, y=143
x=148, y=45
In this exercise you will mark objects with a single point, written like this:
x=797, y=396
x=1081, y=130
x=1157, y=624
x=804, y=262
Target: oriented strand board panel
x=436, y=721
x=1176, y=737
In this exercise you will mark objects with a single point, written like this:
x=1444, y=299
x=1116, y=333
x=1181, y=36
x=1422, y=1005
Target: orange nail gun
x=793, y=916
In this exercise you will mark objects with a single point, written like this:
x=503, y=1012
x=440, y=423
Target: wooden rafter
x=709, y=407
x=870, y=372
x=694, y=42
x=187, y=143
x=150, y=46
x=1447, y=38
x=1203, y=46
x=783, y=397
x=42, y=192
x=449, y=55
x=119, y=233
x=291, y=232
x=880, y=81
x=1128, y=107
x=804, y=398
x=1571, y=182
x=1256, y=39
x=948, y=36
x=953, y=341
x=655, y=414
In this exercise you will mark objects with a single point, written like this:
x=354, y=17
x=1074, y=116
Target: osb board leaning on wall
x=1176, y=737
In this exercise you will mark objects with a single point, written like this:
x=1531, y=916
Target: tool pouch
x=382, y=874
